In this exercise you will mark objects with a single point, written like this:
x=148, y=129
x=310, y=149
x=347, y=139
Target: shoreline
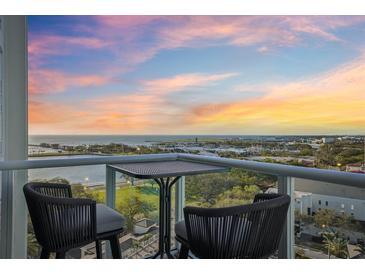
x=40, y=155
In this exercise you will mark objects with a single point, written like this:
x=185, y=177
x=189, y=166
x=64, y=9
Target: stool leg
x=60, y=255
x=99, y=254
x=45, y=253
x=114, y=244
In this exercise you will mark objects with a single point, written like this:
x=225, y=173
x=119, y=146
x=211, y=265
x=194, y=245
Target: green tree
x=204, y=190
x=349, y=155
x=327, y=154
x=306, y=151
x=246, y=177
x=238, y=195
x=340, y=248
x=335, y=244
x=328, y=218
x=324, y=218
x=132, y=207
x=82, y=191
x=346, y=221
x=328, y=240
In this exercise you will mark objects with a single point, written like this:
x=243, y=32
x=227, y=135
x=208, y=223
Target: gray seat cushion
x=107, y=219
x=180, y=230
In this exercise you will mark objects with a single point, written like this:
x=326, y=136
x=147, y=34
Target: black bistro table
x=165, y=174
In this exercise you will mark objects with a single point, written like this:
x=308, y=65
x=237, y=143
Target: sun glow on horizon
x=197, y=75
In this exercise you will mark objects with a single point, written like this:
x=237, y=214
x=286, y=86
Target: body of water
x=107, y=139
x=88, y=175
x=138, y=139
x=94, y=175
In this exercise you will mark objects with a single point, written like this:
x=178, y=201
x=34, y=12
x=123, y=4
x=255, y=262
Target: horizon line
x=325, y=134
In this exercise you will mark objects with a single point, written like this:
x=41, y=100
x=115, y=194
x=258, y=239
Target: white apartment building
x=346, y=199
x=307, y=203
x=312, y=196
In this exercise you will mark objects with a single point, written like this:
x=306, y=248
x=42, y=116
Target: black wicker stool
x=248, y=231
x=62, y=223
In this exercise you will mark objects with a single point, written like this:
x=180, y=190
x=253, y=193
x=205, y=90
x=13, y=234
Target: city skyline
x=271, y=75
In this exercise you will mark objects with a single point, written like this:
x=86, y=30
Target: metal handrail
x=331, y=176
x=85, y=161
x=326, y=175
x=285, y=174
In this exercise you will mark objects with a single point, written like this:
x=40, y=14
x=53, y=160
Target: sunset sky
x=196, y=75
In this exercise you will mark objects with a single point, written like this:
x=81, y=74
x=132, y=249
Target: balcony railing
x=11, y=195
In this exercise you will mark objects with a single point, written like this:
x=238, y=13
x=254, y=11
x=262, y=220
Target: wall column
x=14, y=103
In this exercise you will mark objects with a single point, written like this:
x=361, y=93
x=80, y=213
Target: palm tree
x=335, y=245
x=328, y=240
x=340, y=249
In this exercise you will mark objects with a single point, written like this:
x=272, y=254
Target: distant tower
x=196, y=139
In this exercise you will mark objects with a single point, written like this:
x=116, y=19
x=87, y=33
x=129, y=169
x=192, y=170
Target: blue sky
x=196, y=74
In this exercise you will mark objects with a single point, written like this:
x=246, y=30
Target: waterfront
x=88, y=175
x=218, y=190
x=347, y=151
x=125, y=139
x=153, y=139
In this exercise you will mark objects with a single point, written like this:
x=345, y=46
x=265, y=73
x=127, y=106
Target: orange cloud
x=331, y=103
x=149, y=107
x=61, y=118
x=129, y=114
x=142, y=111
x=53, y=117
x=322, y=104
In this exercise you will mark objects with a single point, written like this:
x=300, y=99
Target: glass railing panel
x=138, y=201
x=232, y=188
x=320, y=208
x=237, y=187
x=329, y=220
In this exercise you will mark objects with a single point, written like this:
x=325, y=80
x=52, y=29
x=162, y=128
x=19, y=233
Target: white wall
x=354, y=207
x=304, y=202
x=14, y=113
x=317, y=202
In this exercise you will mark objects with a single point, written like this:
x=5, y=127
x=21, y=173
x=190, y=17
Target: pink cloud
x=44, y=81
x=122, y=36
x=55, y=44
x=200, y=31
x=41, y=46
x=183, y=81
x=329, y=100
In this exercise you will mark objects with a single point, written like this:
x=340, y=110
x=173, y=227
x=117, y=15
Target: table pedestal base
x=165, y=216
